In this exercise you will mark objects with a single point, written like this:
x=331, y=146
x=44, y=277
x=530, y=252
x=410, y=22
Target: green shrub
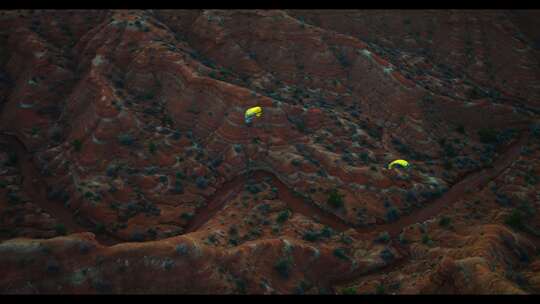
x=201, y=182
x=126, y=139
x=152, y=148
x=100, y=228
x=12, y=159
x=383, y=237
x=340, y=253
x=348, y=291
x=311, y=236
x=392, y=214
x=444, y=221
x=296, y=162
x=515, y=219
x=283, y=216
x=380, y=289
x=426, y=239
x=60, y=229
x=326, y=232
x=487, y=136
x=335, y=199
x=283, y=267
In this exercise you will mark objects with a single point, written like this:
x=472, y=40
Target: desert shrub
x=503, y=199
x=296, y=162
x=392, y=214
x=53, y=266
x=254, y=189
x=126, y=139
x=201, y=182
x=99, y=228
x=240, y=286
x=488, y=136
x=515, y=219
x=11, y=160
x=13, y=198
x=216, y=162
x=348, y=291
x=186, y=216
x=178, y=187
x=152, y=148
x=77, y=145
x=380, y=289
x=112, y=170
x=137, y=237
x=345, y=239
x=311, y=236
x=300, y=124
x=60, y=229
x=449, y=150
x=387, y=255
x=460, y=129
x=84, y=248
x=335, y=199
x=283, y=216
x=176, y=135
x=283, y=267
x=383, y=237
x=182, y=249
x=326, y=232
x=302, y=287
x=444, y=221
x=426, y=239
x=340, y=253
x=364, y=157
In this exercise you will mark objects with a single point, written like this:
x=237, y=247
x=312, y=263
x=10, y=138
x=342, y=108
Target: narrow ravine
x=34, y=186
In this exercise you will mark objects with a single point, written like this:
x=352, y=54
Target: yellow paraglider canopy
x=252, y=112
x=400, y=162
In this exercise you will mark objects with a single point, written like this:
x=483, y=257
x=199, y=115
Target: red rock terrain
x=124, y=153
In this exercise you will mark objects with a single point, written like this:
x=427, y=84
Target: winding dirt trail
x=472, y=182
x=232, y=188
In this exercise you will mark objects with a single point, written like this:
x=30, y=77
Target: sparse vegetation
x=11, y=160
x=392, y=214
x=515, y=219
x=444, y=221
x=283, y=267
x=126, y=139
x=384, y=237
x=380, y=289
x=60, y=229
x=335, y=199
x=348, y=291
x=488, y=136
x=77, y=145
x=152, y=148
x=340, y=253
x=201, y=182
x=426, y=239
x=283, y=216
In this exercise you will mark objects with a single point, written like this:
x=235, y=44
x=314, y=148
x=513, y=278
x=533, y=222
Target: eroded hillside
x=124, y=152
